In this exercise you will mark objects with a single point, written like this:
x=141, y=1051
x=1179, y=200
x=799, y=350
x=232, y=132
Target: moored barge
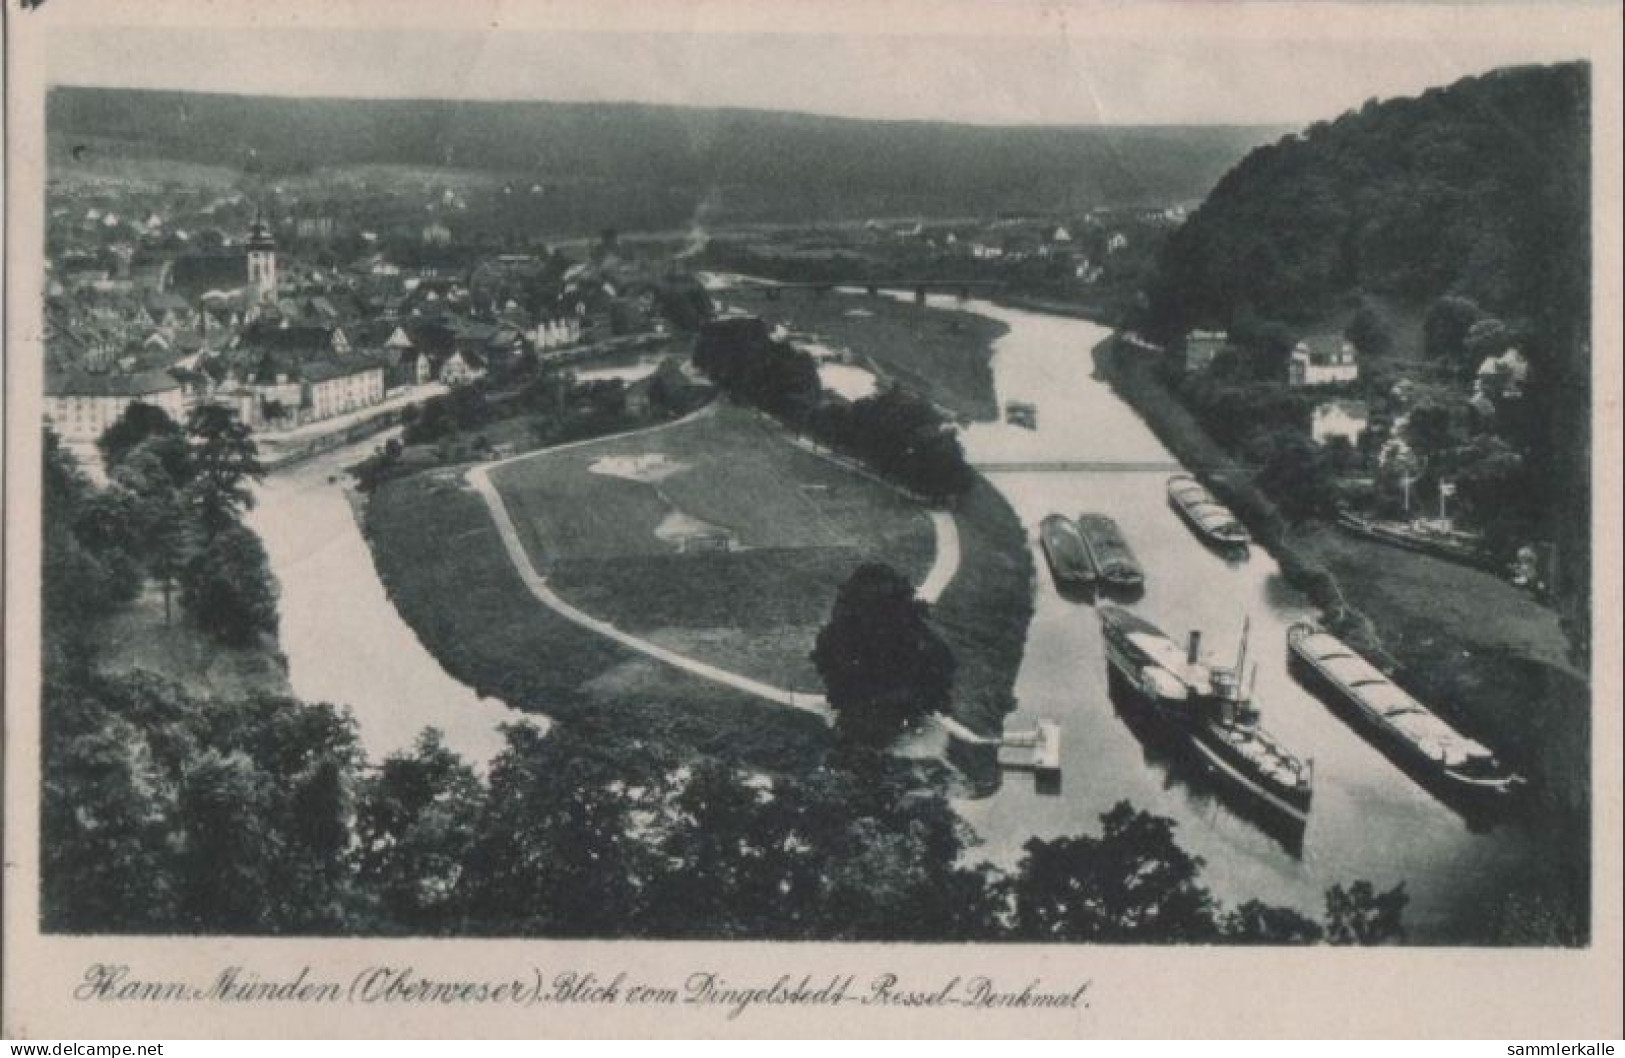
x=1211, y=519
x=1109, y=555
x=1207, y=707
x=1063, y=548
x=1400, y=725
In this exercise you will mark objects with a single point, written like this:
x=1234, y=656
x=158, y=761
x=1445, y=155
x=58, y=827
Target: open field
x=942, y=354
x=605, y=523
x=446, y=571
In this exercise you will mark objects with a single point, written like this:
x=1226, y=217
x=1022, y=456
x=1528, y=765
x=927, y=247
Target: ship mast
x=1241, y=653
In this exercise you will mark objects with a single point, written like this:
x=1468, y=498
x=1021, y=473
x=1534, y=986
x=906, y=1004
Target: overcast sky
x=1050, y=70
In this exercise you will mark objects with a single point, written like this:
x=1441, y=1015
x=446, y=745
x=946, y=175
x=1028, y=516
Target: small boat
x=1211, y=519
x=1110, y=557
x=1021, y=413
x=1063, y=548
x=1400, y=725
x=1207, y=708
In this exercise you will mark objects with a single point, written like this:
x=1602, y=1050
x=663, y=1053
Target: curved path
x=942, y=571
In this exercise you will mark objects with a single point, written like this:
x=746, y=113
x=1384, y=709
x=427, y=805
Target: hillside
x=1477, y=191
x=735, y=164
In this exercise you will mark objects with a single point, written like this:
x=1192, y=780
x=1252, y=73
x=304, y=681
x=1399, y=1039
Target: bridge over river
x=771, y=290
x=1096, y=466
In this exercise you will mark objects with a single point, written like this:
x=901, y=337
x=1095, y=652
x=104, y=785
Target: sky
x=1045, y=63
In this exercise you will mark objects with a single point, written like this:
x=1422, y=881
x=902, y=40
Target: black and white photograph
x=996, y=484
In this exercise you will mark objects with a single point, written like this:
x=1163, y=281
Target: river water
x=344, y=641
x=1369, y=820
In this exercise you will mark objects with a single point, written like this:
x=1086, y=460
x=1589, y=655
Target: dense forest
x=1469, y=205
x=737, y=164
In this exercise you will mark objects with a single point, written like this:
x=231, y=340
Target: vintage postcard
x=914, y=518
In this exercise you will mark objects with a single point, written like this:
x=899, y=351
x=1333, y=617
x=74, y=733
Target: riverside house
x=1339, y=418
x=81, y=405
x=1323, y=361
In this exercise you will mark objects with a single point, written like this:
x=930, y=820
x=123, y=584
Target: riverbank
x=944, y=355
x=1484, y=655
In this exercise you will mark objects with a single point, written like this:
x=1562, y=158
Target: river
x=1369, y=820
x=344, y=641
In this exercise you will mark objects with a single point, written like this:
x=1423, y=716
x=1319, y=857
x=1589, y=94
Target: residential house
x=1348, y=419
x=461, y=367
x=1323, y=360
x=81, y=405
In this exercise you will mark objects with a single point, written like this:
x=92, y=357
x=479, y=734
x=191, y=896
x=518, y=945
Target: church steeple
x=261, y=258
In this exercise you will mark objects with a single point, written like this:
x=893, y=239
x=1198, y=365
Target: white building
x=1323, y=361
x=335, y=387
x=1339, y=418
x=81, y=406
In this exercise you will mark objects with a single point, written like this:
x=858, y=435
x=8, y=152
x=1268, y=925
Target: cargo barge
x=1211, y=519
x=1110, y=557
x=1063, y=549
x=1397, y=723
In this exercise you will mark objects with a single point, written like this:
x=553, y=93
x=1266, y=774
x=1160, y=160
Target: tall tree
x=415, y=822
x=226, y=463
x=227, y=587
x=882, y=662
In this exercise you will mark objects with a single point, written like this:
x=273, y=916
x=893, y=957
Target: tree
x=558, y=851
x=226, y=462
x=415, y=822
x=1433, y=429
x=1132, y=884
x=882, y=662
x=1445, y=328
x=1361, y=915
x=1295, y=474
x=1370, y=332
x=154, y=513
x=140, y=422
x=227, y=587
x=1256, y=922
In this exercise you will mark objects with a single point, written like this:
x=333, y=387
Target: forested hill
x=1468, y=204
x=1480, y=189
x=767, y=164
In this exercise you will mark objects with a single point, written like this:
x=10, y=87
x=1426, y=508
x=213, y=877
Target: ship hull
x=1461, y=790
x=1113, y=564
x=1063, y=551
x=1229, y=537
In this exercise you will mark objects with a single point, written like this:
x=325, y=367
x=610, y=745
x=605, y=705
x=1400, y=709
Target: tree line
x=164, y=812
x=900, y=435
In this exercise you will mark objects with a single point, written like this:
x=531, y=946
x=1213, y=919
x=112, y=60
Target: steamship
x=1207, y=709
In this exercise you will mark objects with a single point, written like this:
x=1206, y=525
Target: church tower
x=261, y=260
